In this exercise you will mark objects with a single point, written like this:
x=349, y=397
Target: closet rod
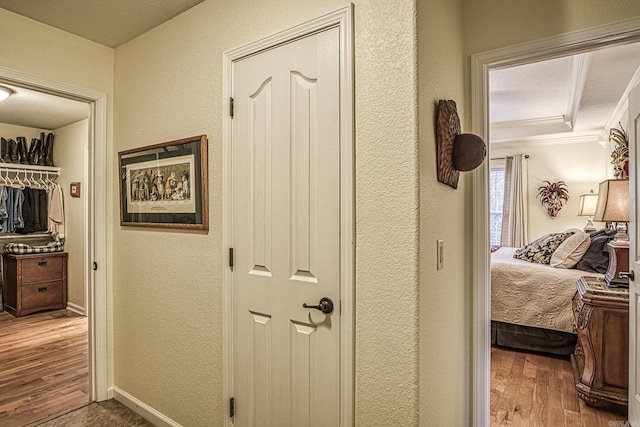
x=526, y=156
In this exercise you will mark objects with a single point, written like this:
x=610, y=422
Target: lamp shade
x=613, y=201
x=588, y=203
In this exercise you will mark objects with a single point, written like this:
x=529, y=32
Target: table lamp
x=588, y=203
x=613, y=207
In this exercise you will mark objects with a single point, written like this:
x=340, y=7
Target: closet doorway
x=79, y=154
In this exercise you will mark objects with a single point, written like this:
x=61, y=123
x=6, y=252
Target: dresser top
x=595, y=288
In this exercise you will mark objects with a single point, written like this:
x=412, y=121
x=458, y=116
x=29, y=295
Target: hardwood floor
x=43, y=366
x=537, y=390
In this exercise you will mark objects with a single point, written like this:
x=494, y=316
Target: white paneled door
x=634, y=285
x=286, y=234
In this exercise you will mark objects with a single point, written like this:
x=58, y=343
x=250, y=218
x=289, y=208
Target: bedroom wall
x=582, y=166
x=167, y=284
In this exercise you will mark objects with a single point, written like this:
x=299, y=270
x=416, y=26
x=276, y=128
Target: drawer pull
x=42, y=289
x=42, y=262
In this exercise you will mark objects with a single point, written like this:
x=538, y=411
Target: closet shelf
x=36, y=168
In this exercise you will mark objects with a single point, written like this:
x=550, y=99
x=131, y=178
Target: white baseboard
x=75, y=308
x=143, y=409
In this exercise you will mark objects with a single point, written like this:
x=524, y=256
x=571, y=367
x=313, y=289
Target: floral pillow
x=540, y=250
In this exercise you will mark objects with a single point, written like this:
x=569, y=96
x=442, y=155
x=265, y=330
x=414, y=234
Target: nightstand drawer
x=42, y=268
x=42, y=295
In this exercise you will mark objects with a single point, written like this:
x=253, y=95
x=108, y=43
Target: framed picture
x=165, y=185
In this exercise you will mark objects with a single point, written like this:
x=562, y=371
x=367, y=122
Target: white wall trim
x=142, y=409
x=343, y=19
x=75, y=308
x=97, y=228
x=551, y=47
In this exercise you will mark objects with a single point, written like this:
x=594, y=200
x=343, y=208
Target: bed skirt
x=532, y=339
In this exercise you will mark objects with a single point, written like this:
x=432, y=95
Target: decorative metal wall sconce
x=456, y=152
x=553, y=195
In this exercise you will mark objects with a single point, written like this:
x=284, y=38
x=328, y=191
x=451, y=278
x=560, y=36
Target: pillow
x=540, y=250
x=596, y=259
x=571, y=250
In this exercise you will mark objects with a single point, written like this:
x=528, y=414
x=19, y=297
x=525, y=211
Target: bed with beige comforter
x=531, y=294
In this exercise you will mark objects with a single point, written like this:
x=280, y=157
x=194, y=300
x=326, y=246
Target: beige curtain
x=514, y=211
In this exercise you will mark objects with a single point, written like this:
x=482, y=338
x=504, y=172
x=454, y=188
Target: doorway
x=94, y=179
x=616, y=34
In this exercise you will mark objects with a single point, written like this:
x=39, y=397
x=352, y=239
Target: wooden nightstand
x=33, y=283
x=601, y=357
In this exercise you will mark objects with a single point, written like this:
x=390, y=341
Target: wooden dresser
x=601, y=357
x=33, y=283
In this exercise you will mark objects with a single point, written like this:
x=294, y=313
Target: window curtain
x=514, y=208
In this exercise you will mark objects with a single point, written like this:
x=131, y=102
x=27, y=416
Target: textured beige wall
x=167, y=284
x=490, y=24
x=445, y=293
x=70, y=148
x=31, y=47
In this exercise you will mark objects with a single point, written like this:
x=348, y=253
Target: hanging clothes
x=10, y=225
x=34, y=211
x=4, y=215
x=56, y=213
x=18, y=200
x=43, y=212
x=28, y=216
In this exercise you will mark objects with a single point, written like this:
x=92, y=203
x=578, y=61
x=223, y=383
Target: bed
x=531, y=304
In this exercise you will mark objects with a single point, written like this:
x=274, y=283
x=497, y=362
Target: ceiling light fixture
x=5, y=92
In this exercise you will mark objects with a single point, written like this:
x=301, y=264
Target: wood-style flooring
x=44, y=368
x=538, y=390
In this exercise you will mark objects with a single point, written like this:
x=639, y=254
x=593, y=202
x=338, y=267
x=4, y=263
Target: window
x=496, y=199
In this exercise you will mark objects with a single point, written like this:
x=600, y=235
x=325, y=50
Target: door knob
x=325, y=305
x=627, y=275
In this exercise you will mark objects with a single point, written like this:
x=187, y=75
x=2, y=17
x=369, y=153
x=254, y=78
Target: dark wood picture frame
x=165, y=185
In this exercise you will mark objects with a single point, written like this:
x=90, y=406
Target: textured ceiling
x=108, y=22
x=39, y=110
x=570, y=99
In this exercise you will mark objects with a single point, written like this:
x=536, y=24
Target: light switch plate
x=440, y=254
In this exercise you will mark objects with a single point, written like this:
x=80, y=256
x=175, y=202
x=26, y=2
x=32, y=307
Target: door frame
x=343, y=20
x=95, y=229
x=619, y=33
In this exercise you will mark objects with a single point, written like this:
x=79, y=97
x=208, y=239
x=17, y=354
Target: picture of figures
x=161, y=185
